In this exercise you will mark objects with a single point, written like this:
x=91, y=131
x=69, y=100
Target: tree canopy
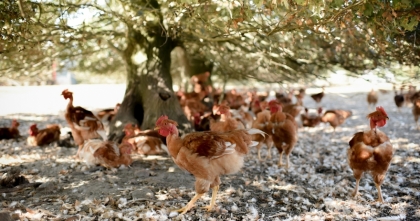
x=283, y=40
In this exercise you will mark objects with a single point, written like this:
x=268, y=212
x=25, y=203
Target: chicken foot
x=269, y=152
x=280, y=160
x=190, y=204
x=213, y=199
x=356, y=188
x=287, y=161
x=378, y=187
x=259, y=150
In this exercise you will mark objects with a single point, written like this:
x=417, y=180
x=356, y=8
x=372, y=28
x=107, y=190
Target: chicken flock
x=227, y=126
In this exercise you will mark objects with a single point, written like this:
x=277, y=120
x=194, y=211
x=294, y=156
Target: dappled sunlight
x=151, y=157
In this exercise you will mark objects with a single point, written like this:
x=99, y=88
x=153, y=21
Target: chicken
x=144, y=142
x=411, y=94
x=206, y=155
x=11, y=132
x=243, y=116
x=256, y=106
x=318, y=97
x=371, y=151
x=283, y=128
x=107, y=115
x=398, y=98
x=226, y=122
x=261, y=122
x=83, y=123
x=416, y=110
x=300, y=96
x=202, y=123
x=200, y=78
x=335, y=117
x=372, y=98
x=292, y=109
x=311, y=120
x=43, y=137
x=105, y=153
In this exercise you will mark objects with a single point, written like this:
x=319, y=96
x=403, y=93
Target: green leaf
x=300, y=2
x=338, y=3
x=368, y=10
x=409, y=24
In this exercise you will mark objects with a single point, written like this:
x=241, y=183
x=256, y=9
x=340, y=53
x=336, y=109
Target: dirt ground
x=316, y=187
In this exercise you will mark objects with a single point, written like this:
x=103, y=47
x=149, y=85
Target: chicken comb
x=382, y=110
x=160, y=119
x=33, y=126
x=128, y=126
x=15, y=123
x=272, y=102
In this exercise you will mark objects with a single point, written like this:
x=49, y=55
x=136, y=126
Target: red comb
x=160, y=119
x=382, y=110
x=273, y=102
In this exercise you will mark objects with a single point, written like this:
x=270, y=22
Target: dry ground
x=316, y=187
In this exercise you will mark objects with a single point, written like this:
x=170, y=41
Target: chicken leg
x=269, y=144
x=213, y=199
x=190, y=204
x=378, y=187
x=280, y=160
x=356, y=188
x=259, y=150
x=287, y=161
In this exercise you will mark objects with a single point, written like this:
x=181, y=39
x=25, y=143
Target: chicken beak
x=157, y=128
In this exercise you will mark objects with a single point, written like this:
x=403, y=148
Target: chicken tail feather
x=253, y=131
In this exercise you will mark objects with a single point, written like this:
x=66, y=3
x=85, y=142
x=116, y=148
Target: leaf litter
x=316, y=187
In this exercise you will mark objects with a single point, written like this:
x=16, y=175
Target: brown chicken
x=311, y=120
x=261, y=122
x=200, y=78
x=226, y=122
x=105, y=153
x=11, y=132
x=372, y=98
x=106, y=115
x=83, y=123
x=292, y=109
x=398, y=98
x=243, y=116
x=144, y=142
x=300, y=96
x=335, y=117
x=371, y=151
x=416, y=110
x=318, y=97
x=43, y=137
x=256, y=106
x=206, y=155
x=283, y=129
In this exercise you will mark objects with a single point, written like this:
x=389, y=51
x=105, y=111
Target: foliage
x=280, y=40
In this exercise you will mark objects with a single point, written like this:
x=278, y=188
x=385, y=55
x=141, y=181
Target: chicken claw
x=280, y=160
x=380, y=198
x=356, y=189
x=213, y=199
x=190, y=204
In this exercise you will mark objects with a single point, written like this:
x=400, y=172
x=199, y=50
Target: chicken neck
x=173, y=142
x=70, y=104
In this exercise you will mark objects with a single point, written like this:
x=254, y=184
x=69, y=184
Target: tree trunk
x=149, y=92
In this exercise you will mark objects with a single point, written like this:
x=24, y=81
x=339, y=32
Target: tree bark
x=149, y=92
